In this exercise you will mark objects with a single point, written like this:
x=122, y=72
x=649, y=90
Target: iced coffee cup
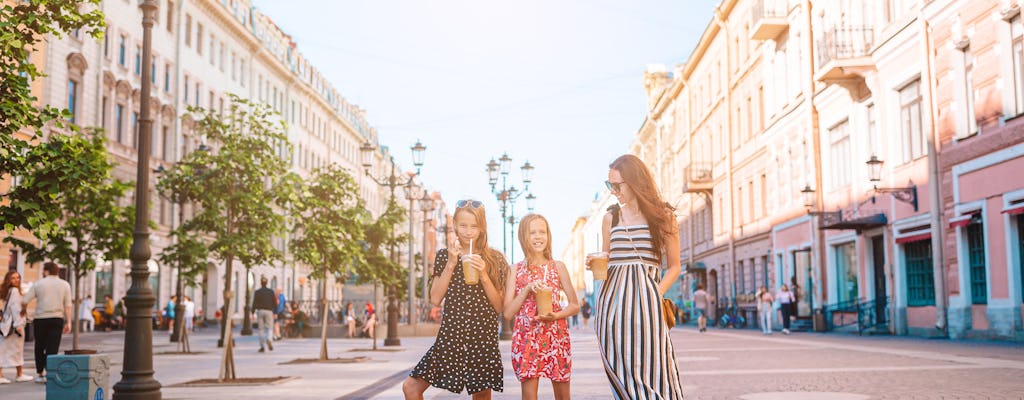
x=470, y=274
x=543, y=301
x=599, y=265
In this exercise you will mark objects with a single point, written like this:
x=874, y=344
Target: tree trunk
x=75, y=304
x=227, y=368
x=375, y=311
x=323, y=318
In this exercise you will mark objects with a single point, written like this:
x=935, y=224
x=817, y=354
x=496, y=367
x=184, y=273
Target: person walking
x=465, y=354
x=85, y=314
x=700, y=304
x=350, y=319
x=108, y=311
x=540, y=342
x=786, y=301
x=190, y=314
x=585, y=311
x=265, y=303
x=12, y=328
x=638, y=236
x=369, y=320
x=52, y=316
x=765, y=309
x=282, y=306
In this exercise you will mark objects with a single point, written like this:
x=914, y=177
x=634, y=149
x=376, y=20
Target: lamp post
x=428, y=206
x=905, y=194
x=137, y=380
x=507, y=196
x=392, y=181
x=412, y=195
x=246, y=320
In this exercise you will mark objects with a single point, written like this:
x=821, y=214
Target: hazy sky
x=558, y=83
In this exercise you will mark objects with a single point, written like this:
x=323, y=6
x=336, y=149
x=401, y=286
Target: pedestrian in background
x=369, y=320
x=265, y=303
x=765, y=300
x=540, y=342
x=108, y=311
x=12, y=328
x=282, y=305
x=85, y=314
x=700, y=304
x=639, y=236
x=169, y=313
x=465, y=354
x=190, y=314
x=786, y=302
x=585, y=309
x=52, y=317
x=350, y=319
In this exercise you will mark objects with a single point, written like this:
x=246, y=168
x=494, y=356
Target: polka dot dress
x=465, y=354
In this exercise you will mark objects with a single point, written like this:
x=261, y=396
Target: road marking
x=770, y=371
x=377, y=387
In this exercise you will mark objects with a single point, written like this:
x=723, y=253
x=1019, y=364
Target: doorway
x=878, y=259
x=712, y=294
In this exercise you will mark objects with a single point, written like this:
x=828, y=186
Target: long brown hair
x=5, y=287
x=524, y=235
x=491, y=256
x=657, y=212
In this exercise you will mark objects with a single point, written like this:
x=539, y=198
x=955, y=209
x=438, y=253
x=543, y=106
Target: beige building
x=203, y=51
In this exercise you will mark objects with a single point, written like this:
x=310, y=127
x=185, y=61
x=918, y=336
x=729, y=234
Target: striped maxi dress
x=637, y=352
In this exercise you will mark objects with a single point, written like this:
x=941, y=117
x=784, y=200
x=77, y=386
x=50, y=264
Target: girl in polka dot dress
x=465, y=354
x=540, y=343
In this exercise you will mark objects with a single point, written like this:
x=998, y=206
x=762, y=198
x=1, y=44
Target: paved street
x=719, y=364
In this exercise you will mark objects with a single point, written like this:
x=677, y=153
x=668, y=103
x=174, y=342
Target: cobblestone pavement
x=718, y=364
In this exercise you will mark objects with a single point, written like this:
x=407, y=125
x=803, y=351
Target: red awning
x=961, y=221
x=1015, y=209
x=914, y=238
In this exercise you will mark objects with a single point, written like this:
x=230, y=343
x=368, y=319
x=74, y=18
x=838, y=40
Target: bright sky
x=558, y=83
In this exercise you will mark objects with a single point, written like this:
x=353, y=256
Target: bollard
x=78, y=377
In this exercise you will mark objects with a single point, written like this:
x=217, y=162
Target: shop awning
x=696, y=267
x=961, y=221
x=914, y=238
x=1014, y=209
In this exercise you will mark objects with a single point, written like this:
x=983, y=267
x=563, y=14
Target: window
x=135, y=130
x=152, y=71
x=121, y=51
x=223, y=53
x=153, y=142
x=119, y=122
x=186, y=90
x=170, y=16
x=846, y=272
x=104, y=115
x=138, y=60
x=72, y=99
x=167, y=78
x=873, y=144
x=166, y=153
x=970, y=123
x=213, y=53
x=199, y=38
x=976, y=262
x=197, y=94
x=920, y=278
x=1017, y=50
x=188, y=30
x=241, y=72
x=106, y=43
x=910, y=122
x=840, y=157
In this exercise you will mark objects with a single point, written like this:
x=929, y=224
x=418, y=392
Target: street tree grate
x=235, y=382
x=339, y=360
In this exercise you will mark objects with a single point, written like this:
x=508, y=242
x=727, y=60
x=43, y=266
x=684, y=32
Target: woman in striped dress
x=639, y=237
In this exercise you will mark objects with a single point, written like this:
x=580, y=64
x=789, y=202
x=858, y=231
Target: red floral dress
x=540, y=349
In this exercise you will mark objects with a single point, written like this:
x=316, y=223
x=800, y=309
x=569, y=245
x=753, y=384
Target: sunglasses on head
x=469, y=203
x=614, y=186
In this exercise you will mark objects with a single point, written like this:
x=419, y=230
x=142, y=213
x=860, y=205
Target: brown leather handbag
x=669, y=310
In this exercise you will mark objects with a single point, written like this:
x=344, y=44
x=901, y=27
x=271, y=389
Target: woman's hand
x=587, y=260
x=549, y=317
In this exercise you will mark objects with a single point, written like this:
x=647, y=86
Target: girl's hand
x=454, y=249
x=587, y=260
x=549, y=317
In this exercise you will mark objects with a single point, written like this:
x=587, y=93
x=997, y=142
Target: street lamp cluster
x=508, y=196
x=393, y=181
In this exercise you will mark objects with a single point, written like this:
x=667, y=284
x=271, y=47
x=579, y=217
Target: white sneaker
x=40, y=379
x=23, y=378
x=4, y=380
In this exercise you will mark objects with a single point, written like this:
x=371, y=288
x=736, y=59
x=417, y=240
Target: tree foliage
x=381, y=236
x=23, y=27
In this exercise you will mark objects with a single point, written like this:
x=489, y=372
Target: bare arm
x=672, y=258
x=606, y=239
x=513, y=301
x=495, y=295
x=574, y=304
x=440, y=284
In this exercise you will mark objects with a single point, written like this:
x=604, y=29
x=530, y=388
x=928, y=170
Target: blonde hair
x=524, y=235
x=490, y=256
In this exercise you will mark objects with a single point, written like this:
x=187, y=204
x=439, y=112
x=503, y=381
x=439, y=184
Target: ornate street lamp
x=137, y=380
x=507, y=196
x=427, y=205
x=906, y=194
x=809, y=198
x=393, y=181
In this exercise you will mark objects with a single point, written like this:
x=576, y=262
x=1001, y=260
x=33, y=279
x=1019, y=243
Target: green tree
x=379, y=268
x=329, y=217
x=240, y=183
x=24, y=26
x=91, y=223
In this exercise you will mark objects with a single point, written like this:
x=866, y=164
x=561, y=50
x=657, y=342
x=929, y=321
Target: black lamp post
x=428, y=206
x=412, y=195
x=905, y=194
x=392, y=181
x=246, y=320
x=137, y=380
x=507, y=196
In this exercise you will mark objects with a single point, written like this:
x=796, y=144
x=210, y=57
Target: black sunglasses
x=614, y=186
x=471, y=203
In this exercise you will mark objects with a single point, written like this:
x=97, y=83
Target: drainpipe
x=818, y=244
x=934, y=191
x=729, y=152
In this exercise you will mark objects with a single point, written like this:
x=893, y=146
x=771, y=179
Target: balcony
x=768, y=19
x=844, y=56
x=699, y=178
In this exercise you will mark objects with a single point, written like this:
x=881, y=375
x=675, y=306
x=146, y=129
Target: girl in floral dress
x=540, y=343
x=465, y=354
